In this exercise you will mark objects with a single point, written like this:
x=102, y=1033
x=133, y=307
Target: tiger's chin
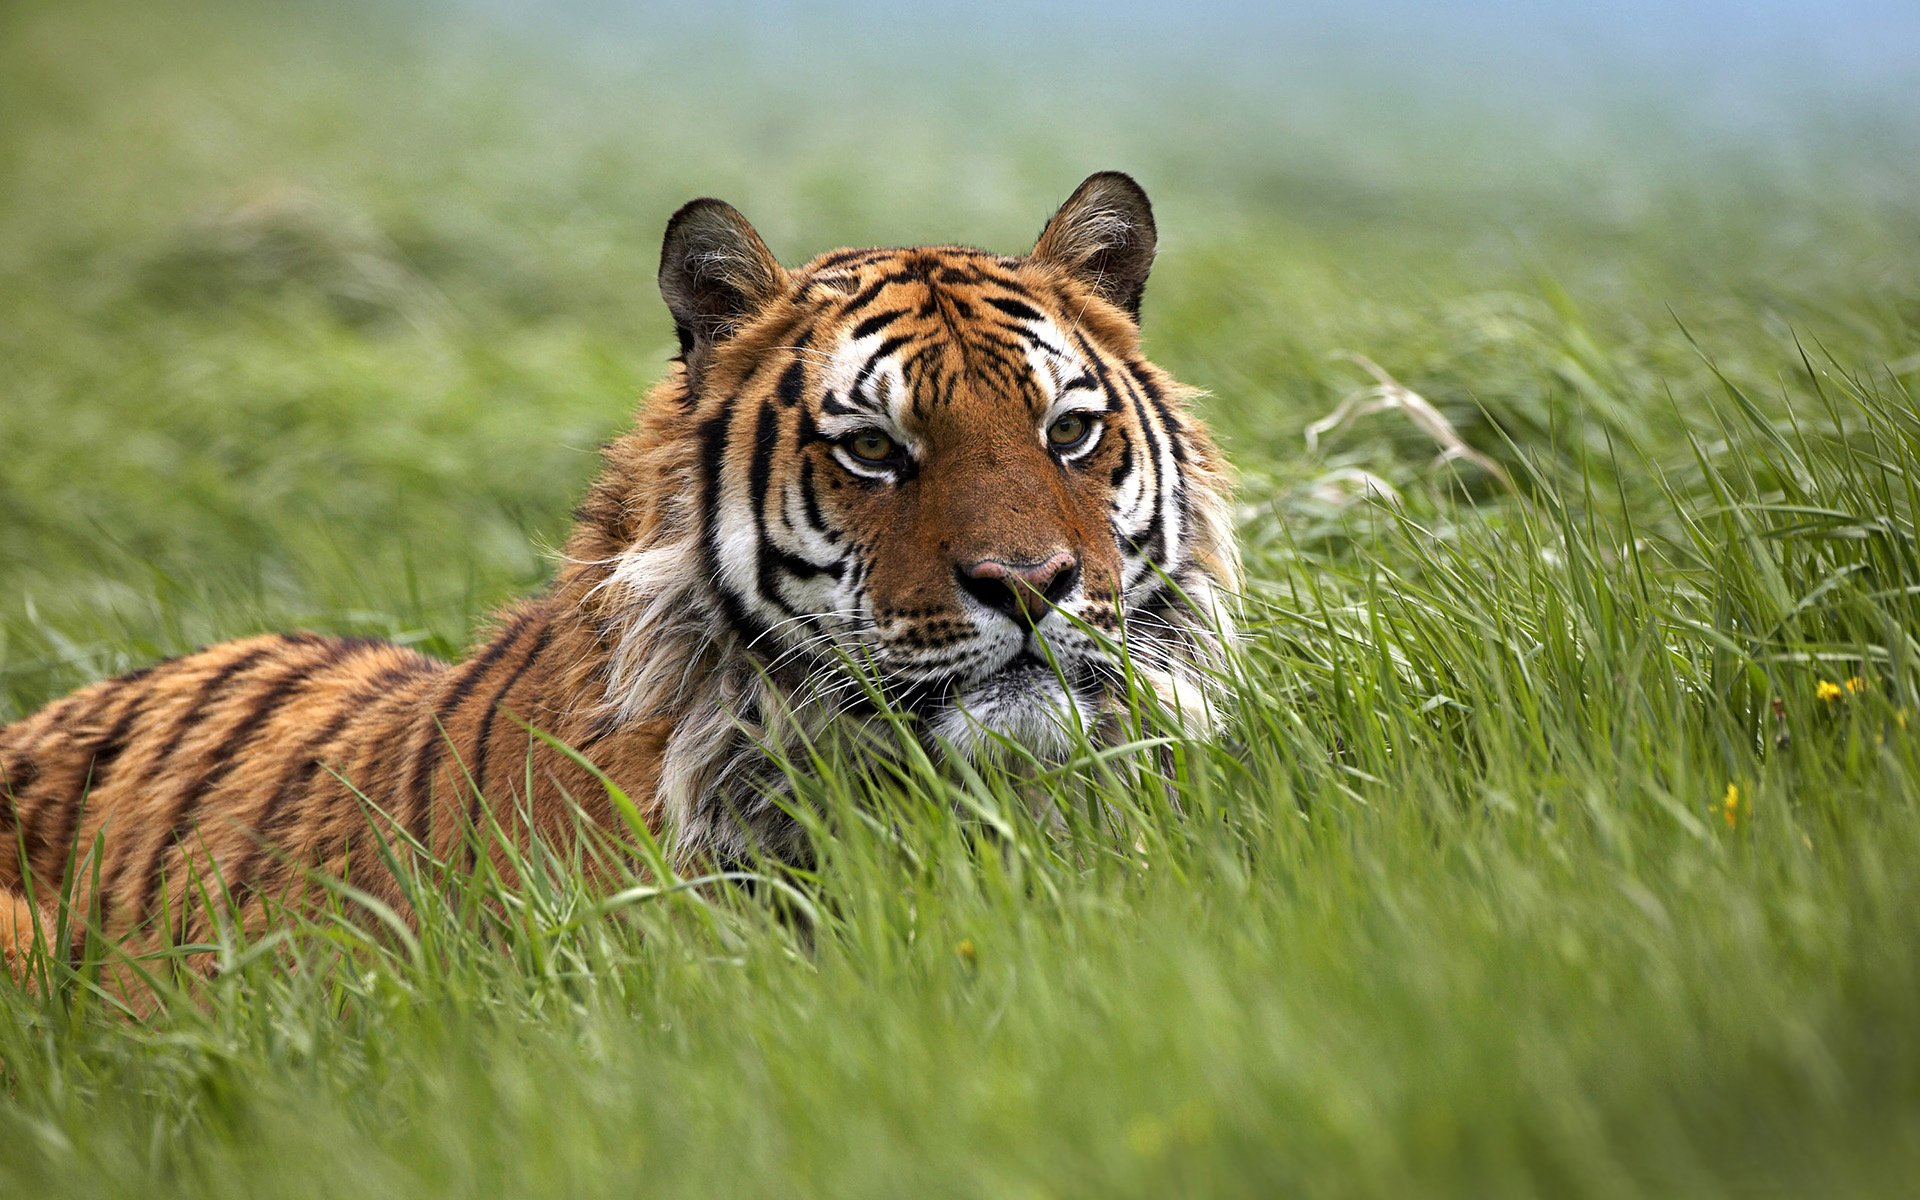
x=1026, y=706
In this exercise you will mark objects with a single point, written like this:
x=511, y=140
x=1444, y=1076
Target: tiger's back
x=211, y=758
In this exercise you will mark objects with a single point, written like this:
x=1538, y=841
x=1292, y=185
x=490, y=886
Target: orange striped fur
x=942, y=463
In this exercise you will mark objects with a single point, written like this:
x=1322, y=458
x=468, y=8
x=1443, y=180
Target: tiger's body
x=946, y=470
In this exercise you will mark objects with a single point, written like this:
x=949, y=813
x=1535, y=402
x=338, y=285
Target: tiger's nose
x=1023, y=591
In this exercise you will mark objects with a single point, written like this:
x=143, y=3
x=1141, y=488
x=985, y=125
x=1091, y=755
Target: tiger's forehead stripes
x=936, y=325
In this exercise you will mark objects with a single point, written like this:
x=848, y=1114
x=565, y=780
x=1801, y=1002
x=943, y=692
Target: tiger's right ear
x=715, y=273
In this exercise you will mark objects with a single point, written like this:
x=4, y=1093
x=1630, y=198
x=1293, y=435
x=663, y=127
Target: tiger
x=936, y=478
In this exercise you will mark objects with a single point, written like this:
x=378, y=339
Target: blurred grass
x=313, y=318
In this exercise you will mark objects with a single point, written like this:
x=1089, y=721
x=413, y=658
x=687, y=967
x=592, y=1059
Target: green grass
x=306, y=325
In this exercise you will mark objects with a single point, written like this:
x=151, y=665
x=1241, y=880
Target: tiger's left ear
x=1104, y=237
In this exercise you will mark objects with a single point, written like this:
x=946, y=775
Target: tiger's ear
x=1104, y=237
x=715, y=273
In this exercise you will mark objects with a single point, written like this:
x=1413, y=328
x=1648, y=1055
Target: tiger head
x=947, y=470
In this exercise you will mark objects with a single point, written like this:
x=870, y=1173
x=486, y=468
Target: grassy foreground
x=1565, y=836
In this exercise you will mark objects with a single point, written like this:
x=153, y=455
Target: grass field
x=1564, y=839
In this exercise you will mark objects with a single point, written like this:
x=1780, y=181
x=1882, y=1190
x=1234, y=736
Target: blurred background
x=314, y=313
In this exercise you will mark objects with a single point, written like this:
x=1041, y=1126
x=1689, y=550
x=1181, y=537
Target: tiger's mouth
x=1028, y=701
x=1022, y=671
x=1042, y=697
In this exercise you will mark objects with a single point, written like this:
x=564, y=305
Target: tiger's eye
x=1068, y=431
x=871, y=445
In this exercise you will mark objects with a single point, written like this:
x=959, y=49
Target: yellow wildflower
x=1827, y=690
x=1856, y=684
x=965, y=949
x=1730, y=805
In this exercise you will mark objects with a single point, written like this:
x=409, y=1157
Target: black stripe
x=14, y=782
x=873, y=362
x=493, y=706
x=1177, y=446
x=19, y=777
x=713, y=455
x=265, y=705
x=985, y=335
x=1137, y=374
x=104, y=753
x=808, y=521
x=875, y=324
x=953, y=304
x=842, y=257
x=803, y=568
x=810, y=503
x=1174, y=482
x=1155, y=525
x=278, y=813
x=210, y=688
x=766, y=439
x=1015, y=308
x=1124, y=467
x=806, y=430
x=793, y=383
x=865, y=296
x=194, y=712
x=225, y=759
x=486, y=738
x=419, y=794
x=1039, y=341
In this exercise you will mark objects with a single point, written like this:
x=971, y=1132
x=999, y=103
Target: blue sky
x=1757, y=53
